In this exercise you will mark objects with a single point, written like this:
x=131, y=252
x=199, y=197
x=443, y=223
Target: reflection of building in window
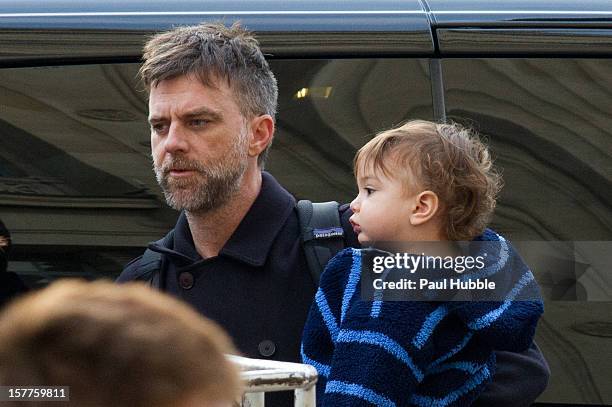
x=32, y=186
x=39, y=168
x=328, y=108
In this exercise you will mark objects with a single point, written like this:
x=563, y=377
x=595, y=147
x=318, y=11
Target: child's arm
x=361, y=359
x=396, y=359
x=367, y=355
x=373, y=360
x=507, y=325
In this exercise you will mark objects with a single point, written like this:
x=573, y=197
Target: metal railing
x=261, y=376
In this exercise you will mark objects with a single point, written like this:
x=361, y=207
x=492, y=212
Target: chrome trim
x=204, y=13
x=299, y=12
x=525, y=12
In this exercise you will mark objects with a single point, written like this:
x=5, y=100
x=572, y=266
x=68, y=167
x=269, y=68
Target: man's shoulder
x=130, y=271
x=143, y=266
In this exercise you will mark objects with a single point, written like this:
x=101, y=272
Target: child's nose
x=355, y=204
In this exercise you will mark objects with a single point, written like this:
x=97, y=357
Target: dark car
x=534, y=77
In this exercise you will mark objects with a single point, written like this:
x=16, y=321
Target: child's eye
x=369, y=191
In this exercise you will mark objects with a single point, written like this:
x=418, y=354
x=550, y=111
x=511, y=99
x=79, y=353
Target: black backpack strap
x=322, y=234
x=149, y=269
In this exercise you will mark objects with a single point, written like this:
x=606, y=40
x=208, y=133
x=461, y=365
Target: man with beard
x=235, y=253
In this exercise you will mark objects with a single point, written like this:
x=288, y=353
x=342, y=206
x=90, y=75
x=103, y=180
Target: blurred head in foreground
x=116, y=346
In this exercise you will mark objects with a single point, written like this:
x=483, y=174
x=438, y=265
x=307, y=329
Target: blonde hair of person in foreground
x=116, y=345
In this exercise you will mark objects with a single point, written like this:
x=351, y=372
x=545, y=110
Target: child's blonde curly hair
x=447, y=159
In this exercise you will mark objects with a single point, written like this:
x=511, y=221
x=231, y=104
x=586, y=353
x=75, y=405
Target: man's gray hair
x=210, y=52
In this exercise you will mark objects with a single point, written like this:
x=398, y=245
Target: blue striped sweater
x=411, y=353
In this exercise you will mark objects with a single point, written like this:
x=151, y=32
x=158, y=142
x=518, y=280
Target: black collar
x=252, y=240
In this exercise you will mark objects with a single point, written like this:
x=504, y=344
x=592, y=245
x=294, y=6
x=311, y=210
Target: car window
x=329, y=108
x=549, y=126
x=76, y=186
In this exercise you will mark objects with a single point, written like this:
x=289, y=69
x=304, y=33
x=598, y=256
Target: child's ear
x=425, y=207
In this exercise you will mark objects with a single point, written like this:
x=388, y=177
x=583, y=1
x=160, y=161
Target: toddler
x=421, y=182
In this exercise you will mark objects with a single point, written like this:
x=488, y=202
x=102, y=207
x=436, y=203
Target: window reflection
x=550, y=127
x=75, y=171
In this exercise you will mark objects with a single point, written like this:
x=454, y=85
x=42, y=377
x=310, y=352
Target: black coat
x=258, y=287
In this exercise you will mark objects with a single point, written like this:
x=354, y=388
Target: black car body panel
x=327, y=28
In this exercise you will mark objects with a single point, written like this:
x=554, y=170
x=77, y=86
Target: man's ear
x=262, y=129
x=425, y=207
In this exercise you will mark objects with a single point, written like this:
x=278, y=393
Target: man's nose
x=176, y=139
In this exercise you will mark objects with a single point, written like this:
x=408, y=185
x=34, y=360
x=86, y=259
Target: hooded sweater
x=421, y=353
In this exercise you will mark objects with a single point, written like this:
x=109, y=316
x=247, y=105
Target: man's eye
x=158, y=127
x=198, y=122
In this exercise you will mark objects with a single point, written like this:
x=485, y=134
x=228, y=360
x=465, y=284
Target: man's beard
x=213, y=183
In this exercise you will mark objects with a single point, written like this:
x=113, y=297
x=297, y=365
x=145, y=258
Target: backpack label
x=327, y=233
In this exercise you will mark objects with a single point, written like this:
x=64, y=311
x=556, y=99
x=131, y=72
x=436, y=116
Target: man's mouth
x=177, y=172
